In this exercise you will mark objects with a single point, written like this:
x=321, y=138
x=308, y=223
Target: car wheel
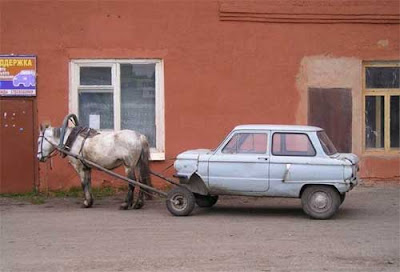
x=205, y=201
x=320, y=202
x=180, y=201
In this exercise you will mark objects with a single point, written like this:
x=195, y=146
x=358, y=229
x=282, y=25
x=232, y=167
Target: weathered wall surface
x=218, y=73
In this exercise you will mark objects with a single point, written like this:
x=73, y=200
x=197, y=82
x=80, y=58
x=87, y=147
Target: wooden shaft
x=130, y=181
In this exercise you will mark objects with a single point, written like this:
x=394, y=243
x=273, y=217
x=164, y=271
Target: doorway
x=17, y=145
x=331, y=109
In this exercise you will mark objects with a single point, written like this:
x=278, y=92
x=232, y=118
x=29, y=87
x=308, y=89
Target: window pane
x=394, y=121
x=95, y=76
x=247, y=143
x=231, y=146
x=253, y=143
x=326, y=143
x=382, y=77
x=138, y=99
x=95, y=106
x=374, y=121
x=292, y=144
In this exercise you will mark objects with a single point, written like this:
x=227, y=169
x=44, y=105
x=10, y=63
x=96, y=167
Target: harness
x=84, y=132
x=78, y=130
x=40, y=152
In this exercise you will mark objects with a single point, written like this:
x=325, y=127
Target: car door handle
x=263, y=158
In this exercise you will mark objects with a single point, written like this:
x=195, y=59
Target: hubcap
x=320, y=200
x=179, y=202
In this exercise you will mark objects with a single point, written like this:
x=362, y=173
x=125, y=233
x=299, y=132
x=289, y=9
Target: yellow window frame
x=386, y=93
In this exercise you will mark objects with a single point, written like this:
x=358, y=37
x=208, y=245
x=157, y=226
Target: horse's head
x=48, y=139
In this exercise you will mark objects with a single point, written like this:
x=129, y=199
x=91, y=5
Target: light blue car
x=267, y=160
x=25, y=78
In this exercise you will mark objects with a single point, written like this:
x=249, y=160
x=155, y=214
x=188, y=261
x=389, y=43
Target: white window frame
x=156, y=154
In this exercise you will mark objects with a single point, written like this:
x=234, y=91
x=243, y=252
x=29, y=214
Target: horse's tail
x=144, y=162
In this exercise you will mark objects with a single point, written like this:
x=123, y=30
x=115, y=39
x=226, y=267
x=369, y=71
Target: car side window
x=292, y=144
x=247, y=143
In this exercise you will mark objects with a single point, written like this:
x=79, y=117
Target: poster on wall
x=17, y=75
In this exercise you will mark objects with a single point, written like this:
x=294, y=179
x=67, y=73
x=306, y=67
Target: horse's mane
x=57, y=132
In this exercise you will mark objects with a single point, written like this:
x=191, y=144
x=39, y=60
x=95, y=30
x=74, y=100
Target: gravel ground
x=238, y=234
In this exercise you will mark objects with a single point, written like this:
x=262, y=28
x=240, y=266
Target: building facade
x=185, y=73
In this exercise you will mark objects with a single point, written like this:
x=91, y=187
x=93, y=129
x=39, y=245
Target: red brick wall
x=218, y=73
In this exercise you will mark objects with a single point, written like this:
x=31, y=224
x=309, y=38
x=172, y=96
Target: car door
x=241, y=164
x=293, y=161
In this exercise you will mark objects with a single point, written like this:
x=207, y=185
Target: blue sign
x=17, y=75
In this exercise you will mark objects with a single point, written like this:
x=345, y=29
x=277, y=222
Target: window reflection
x=374, y=121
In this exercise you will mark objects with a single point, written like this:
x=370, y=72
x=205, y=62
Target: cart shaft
x=111, y=173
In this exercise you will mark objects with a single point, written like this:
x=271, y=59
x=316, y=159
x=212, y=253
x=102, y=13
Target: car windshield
x=326, y=143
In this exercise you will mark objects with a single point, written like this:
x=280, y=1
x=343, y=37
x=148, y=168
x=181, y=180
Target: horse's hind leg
x=129, y=197
x=86, y=184
x=139, y=200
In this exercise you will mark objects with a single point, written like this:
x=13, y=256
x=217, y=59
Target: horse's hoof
x=87, y=204
x=138, y=205
x=124, y=206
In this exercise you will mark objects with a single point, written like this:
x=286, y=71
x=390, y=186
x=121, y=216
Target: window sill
x=381, y=153
x=157, y=156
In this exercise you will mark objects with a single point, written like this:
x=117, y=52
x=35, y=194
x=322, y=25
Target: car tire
x=320, y=202
x=205, y=201
x=180, y=201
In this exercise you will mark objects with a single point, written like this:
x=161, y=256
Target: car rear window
x=326, y=143
x=292, y=144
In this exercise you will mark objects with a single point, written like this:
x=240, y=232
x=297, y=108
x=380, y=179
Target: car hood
x=193, y=154
x=350, y=157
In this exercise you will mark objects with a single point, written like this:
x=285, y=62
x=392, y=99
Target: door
x=331, y=109
x=242, y=165
x=17, y=145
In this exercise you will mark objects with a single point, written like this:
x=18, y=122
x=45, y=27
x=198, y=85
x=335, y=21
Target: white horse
x=107, y=149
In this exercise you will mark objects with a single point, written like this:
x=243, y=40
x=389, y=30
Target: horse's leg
x=129, y=197
x=139, y=200
x=86, y=178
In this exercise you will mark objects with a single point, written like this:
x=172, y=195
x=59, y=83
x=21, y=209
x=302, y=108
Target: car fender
x=196, y=185
x=341, y=187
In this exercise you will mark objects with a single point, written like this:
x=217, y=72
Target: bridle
x=40, y=152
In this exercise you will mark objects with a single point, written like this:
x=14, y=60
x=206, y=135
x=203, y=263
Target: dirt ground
x=238, y=234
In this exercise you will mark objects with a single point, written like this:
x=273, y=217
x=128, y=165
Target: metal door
x=17, y=145
x=331, y=109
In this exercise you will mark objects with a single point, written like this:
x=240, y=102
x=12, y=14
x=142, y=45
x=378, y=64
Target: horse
x=109, y=149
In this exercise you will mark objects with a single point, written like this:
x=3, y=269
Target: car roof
x=278, y=127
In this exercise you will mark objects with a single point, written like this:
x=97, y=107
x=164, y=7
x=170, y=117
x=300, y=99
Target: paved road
x=238, y=234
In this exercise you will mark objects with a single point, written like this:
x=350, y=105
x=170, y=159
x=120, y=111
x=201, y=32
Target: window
x=250, y=143
x=292, y=144
x=326, y=143
x=381, y=93
x=120, y=94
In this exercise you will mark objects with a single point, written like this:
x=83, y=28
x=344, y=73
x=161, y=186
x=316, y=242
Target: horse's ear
x=44, y=125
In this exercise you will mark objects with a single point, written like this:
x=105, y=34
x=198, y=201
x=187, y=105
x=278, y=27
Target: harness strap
x=83, y=143
x=52, y=153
